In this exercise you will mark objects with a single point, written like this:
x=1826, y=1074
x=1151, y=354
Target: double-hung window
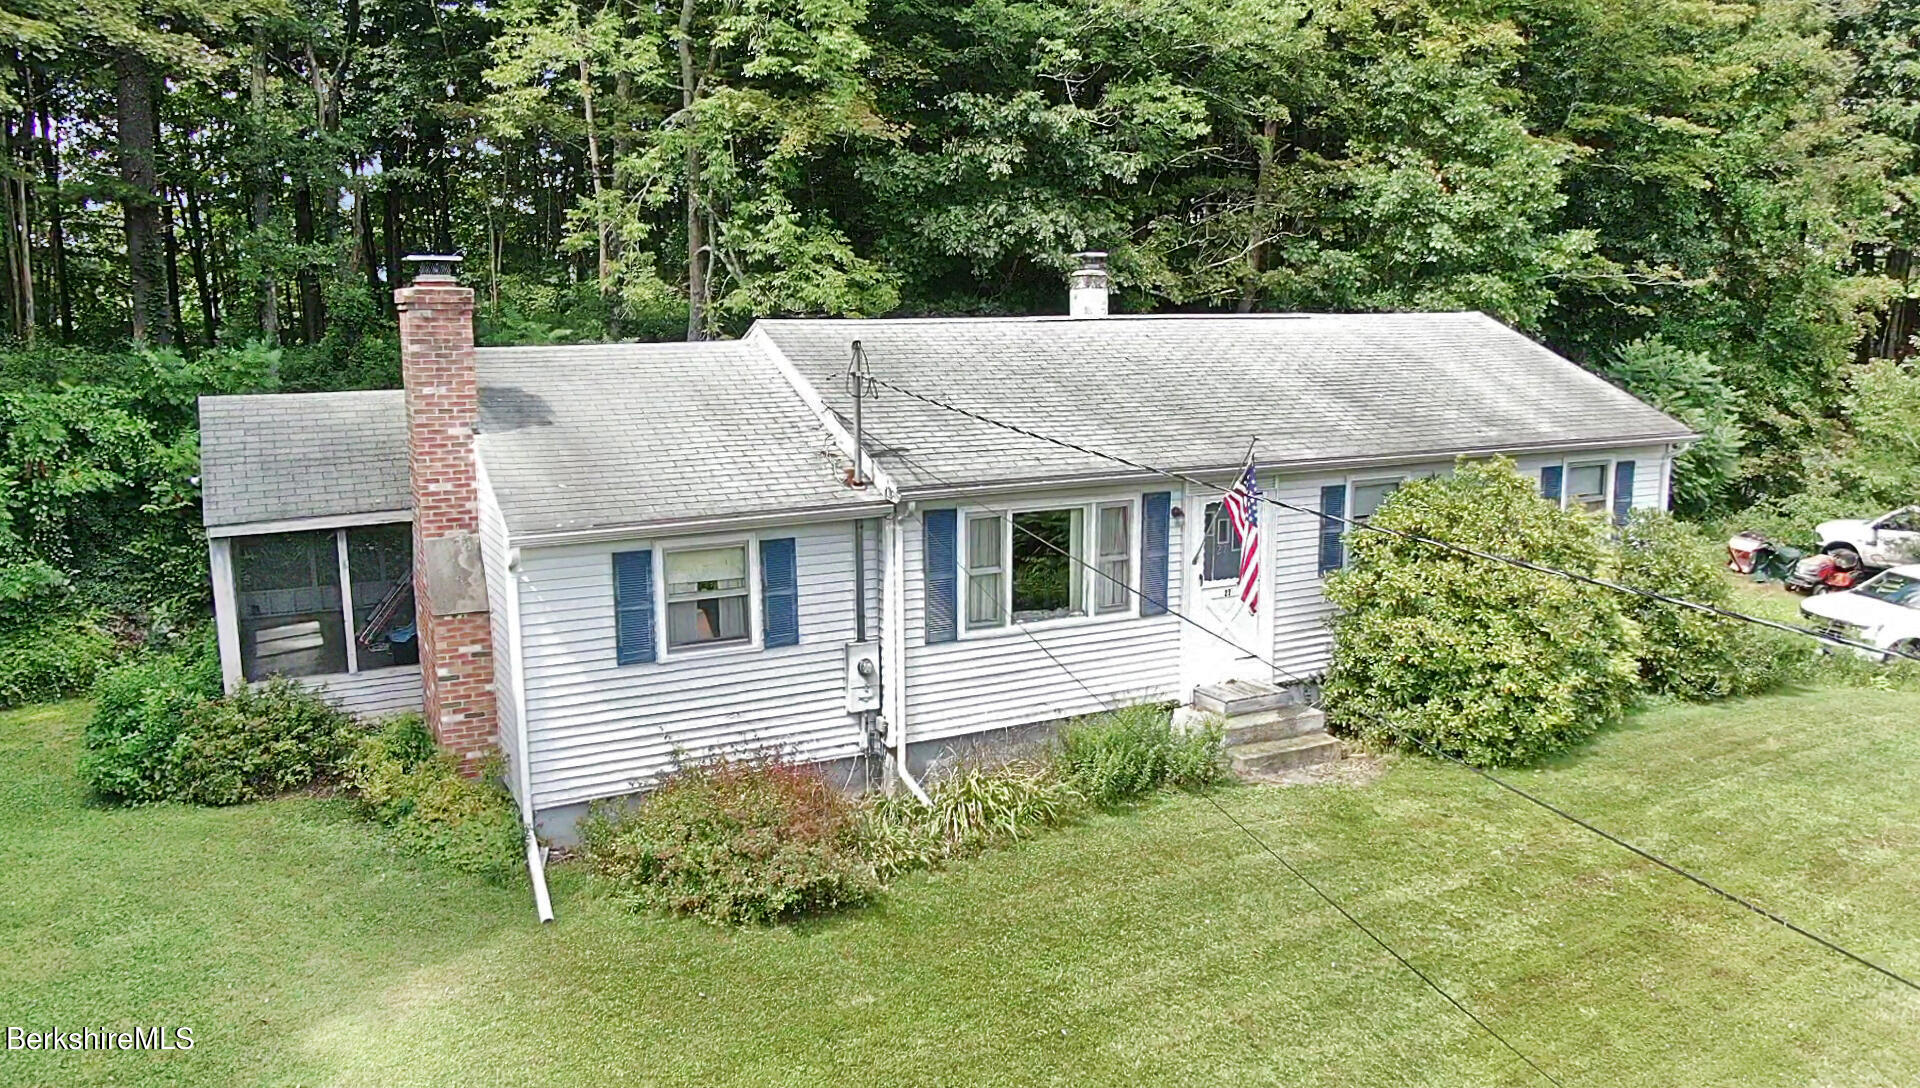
x=1029, y=566
x=708, y=598
x=1368, y=495
x=1587, y=485
x=986, y=571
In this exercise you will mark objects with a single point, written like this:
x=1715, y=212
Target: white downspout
x=893, y=649
x=536, y=855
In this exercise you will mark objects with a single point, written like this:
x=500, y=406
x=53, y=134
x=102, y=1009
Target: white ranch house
x=633, y=554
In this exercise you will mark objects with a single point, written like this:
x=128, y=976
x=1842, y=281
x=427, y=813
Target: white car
x=1885, y=541
x=1883, y=611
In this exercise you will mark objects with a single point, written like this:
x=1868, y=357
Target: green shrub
x=1685, y=653
x=138, y=713
x=734, y=841
x=1119, y=756
x=51, y=654
x=401, y=780
x=161, y=731
x=1490, y=663
x=257, y=743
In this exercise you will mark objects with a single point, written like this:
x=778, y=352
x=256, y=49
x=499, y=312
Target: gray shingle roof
x=278, y=456
x=1190, y=392
x=612, y=436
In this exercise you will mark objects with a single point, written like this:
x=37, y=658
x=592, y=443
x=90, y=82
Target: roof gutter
x=1052, y=483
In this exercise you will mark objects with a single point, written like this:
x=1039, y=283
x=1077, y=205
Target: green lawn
x=1160, y=947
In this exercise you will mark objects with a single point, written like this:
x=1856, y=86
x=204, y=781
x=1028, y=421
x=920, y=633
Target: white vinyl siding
x=1002, y=678
x=502, y=602
x=600, y=729
x=376, y=694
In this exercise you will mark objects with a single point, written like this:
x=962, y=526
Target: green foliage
x=51, y=654
x=736, y=842
x=1688, y=386
x=974, y=807
x=402, y=781
x=1689, y=654
x=1491, y=664
x=162, y=731
x=139, y=711
x=1124, y=755
x=256, y=743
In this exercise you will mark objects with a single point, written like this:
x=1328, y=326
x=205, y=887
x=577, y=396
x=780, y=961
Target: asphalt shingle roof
x=626, y=435
x=279, y=456
x=1189, y=393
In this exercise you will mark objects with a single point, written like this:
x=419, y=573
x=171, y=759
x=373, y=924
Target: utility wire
x=1397, y=732
x=1351, y=523
x=1248, y=831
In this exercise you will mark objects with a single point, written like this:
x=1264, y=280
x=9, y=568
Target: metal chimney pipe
x=1087, y=287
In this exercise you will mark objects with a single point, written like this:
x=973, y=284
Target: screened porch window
x=291, y=592
x=707, y=596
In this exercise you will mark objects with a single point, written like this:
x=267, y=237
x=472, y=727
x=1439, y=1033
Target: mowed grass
x=1158, y=947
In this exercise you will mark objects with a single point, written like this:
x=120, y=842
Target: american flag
x=1243, y=506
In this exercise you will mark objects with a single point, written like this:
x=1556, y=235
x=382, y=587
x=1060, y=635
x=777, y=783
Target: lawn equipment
x=1750, y=553
x=1823, y=572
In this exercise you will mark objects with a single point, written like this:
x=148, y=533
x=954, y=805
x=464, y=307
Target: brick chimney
x=449, y=586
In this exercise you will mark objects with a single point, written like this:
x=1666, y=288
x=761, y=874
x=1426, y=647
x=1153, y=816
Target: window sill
x=669, y=654
x=1062, y=623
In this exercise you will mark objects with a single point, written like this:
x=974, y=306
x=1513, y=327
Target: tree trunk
x=140, y=203
x=390, y=230
x=56, y=221
x=197, y=251
x=19, y=233
x=261, y=182
x=313, y=307
x=172, y=239
x=1264, y=146
x=696, y=227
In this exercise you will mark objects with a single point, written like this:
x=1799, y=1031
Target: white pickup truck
x=1882, y=612
x=1885, y=541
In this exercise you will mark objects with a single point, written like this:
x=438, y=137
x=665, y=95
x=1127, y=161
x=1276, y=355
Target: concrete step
x=1236, y=697
x=1277, y=724
x=1274, y=756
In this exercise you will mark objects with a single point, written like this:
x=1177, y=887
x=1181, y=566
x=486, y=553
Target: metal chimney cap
x=1092, y=258
x=433, y=267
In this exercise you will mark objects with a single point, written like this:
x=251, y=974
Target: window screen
x=1368, y=495
x=380, y=563
x=287, y=593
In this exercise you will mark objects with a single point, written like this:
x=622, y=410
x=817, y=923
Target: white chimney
x=1087, y=288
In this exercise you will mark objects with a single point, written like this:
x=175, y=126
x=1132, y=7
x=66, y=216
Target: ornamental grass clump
x=973, y=807
x=1489, y=663
x=735, y=841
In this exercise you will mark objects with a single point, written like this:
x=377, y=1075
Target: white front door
x=1210, y=559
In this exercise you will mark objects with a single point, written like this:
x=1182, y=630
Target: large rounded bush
x=1484, y=661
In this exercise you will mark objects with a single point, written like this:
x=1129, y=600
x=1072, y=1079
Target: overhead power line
x=1369, y=526
x=1389, y=726
x=1260, y=842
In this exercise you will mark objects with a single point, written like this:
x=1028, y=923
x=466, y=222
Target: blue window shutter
x=633, y=607
x=1156, y=537
x=779, y=593
x=1333, y=507
x=1550, y=483
x=1622, y=491
x=942, y=571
